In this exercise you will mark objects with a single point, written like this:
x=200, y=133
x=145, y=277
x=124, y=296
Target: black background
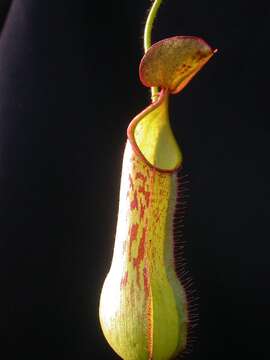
x=68, y=88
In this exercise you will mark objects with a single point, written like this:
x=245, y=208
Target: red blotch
x=140, y=176
x=134, y=202
x=139, y=258
x=133, y=235
x=124, y=280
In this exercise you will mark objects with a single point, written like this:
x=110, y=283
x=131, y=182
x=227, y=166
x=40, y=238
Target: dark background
x=68, y=88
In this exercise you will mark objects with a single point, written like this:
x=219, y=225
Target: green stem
x=148, y=34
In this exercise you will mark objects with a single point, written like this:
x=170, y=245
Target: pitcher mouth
x=151, y=136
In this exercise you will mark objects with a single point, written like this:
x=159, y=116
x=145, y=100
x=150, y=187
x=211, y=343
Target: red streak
x=131, y=182
x=146, y=195
x=146, y=282
x=124, y=280
x=133, y=236
x=142, y=209
x=134, y=202
x=140, y=256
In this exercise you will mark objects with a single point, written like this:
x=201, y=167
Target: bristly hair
x=180, y=263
